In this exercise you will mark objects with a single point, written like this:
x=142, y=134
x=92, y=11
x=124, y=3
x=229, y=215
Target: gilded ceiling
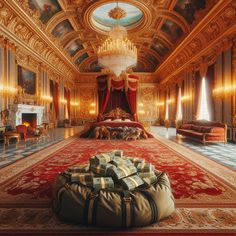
x=78, y=27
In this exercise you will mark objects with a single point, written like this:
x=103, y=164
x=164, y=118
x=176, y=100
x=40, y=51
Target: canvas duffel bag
x=77, y=203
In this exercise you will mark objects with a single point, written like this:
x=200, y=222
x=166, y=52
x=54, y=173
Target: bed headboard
x=117, y=113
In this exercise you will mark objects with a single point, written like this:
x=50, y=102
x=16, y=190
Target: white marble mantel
x=18, y=109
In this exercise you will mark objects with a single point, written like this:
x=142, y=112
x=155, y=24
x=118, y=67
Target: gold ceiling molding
x=74, y=35
x=206, y=38
x=84, y=67
x=77, y=12
x=59, y=17
x=164, y=38
x=176, y=18
x=28, y=20
x=141, y=25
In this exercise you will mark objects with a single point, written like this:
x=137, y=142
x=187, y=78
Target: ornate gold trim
x=210, y=37
x=140, y=26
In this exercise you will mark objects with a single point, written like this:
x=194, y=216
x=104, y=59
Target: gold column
x=234, y=82
x=4, y=72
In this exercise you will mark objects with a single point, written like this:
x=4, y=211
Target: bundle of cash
x=145, y=167
x=101, y=169
x=118, y=153
x=78, y=169
x=117, y=161
x=84, y=178
x=131, y=182
x=146, y=174
x=102, y=158
x=136, y=160
x=103, y=182
x=151, y=179
x=121, y=171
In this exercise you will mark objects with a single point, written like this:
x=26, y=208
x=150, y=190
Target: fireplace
x=29, y=119
x=24, y=112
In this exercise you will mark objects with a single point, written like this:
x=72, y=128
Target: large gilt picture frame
x=27, y=80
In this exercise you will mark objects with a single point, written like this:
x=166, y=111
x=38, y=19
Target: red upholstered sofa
x=204, y=131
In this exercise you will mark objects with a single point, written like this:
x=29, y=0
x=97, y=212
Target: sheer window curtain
x=167, y=106
x=205, y=104
x=179, y=115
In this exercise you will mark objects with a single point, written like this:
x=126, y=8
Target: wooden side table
x=10, y=135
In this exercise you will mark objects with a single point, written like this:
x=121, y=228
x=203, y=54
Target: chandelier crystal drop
x=117, y=53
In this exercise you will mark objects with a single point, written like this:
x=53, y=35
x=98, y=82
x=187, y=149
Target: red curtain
x=132, y=101
x=56, y=99
x=117, y=99
x=119, y=93
x=103, y=94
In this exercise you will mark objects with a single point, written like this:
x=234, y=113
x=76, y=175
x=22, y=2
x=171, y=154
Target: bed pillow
x=117, y=120
x=107, y=120
x=127, y=120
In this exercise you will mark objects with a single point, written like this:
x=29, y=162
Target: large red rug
x=201, y=196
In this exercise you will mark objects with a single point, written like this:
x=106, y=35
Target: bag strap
x=153, y=206
x=127, y=210
x=90, y=207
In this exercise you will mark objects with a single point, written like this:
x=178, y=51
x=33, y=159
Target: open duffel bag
x=77, y=203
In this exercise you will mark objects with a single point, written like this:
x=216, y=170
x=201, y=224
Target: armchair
x=25, y=134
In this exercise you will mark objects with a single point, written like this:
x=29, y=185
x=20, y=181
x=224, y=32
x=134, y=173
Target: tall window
x=179, y=114
x=203, y=113
x=167, y=110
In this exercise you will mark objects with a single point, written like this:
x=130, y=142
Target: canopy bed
x=117, y=118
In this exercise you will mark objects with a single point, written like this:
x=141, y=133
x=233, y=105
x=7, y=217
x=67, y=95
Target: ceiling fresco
x=173, y=31
x=102, y=19
x=81, y=58
x=188, y=8
x=62, y=29
x=78, y=27
x=159, y=47
x=74, y=47
x=47, y=8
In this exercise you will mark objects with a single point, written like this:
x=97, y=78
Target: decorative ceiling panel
x=78, y=27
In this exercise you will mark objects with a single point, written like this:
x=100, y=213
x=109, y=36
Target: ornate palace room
x=118, y=117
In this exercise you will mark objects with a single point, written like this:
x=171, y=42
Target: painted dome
x=101, y=19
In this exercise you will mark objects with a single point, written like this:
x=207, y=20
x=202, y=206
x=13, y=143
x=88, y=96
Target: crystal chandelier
x=117, y=53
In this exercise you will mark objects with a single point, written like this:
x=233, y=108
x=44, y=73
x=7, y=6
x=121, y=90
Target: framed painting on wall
x=27, y=80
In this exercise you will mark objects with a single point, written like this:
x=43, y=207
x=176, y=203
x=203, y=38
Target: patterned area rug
x=205, y=202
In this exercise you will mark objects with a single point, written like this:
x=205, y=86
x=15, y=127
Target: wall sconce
x=224, y=90
x=64, y=101
x=74, y=104
x=185, y=98
x=7, y=90
x=141, y=112
x=46, y=98
x=92, y=112
x=160, y=104
x=140, y=104
x=169, y=101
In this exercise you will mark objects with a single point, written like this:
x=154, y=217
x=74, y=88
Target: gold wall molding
x=21, y=28
x=208, y=39
x=91, y=78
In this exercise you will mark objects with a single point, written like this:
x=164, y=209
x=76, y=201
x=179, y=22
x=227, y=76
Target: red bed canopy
x=116, y=92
